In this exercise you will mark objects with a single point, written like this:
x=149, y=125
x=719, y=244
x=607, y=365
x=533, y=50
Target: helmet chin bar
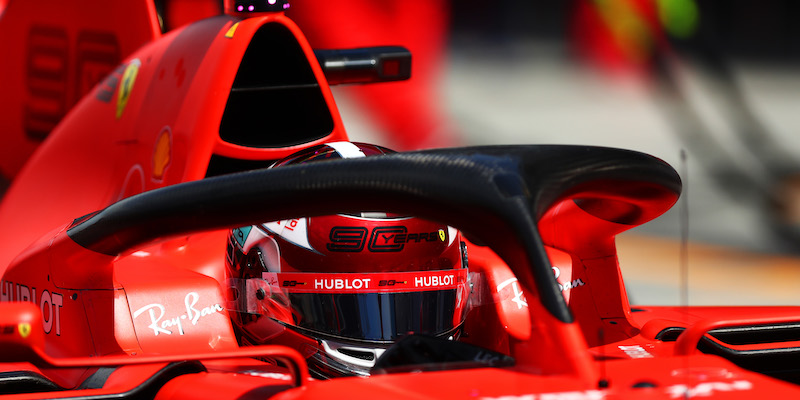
x=353, y=357
x=357, y=359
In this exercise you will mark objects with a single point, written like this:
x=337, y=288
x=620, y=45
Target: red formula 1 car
x=122, y=277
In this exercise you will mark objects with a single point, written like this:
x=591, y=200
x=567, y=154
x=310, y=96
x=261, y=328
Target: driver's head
x=341, y=288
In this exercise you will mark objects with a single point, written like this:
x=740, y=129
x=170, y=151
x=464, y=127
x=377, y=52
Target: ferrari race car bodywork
x=129, y=301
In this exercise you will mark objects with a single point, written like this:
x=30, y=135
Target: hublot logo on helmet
x=381, y=239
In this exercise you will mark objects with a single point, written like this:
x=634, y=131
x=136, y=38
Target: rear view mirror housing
x=365, y=65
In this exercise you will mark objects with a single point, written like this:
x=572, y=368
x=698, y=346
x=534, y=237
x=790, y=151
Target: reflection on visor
x=378, y=316
x=365, y=306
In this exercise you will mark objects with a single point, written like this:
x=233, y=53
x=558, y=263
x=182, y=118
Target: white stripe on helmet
x=347, y=149
x=292, y=230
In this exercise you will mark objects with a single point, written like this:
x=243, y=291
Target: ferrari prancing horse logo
x=125, y=88
x=24, y=329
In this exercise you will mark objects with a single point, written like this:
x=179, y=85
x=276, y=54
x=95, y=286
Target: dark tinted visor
x=378, y=316
x=374, y=306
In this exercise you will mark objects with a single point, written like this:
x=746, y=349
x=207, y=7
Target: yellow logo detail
x=162, y=154
x=24, y=329
x=125, y=88
x=231, y=31
x=442, y=235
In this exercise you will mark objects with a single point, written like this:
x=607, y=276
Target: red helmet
x=341, y=288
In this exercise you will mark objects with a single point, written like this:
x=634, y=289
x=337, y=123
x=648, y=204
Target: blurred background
x=710, y=87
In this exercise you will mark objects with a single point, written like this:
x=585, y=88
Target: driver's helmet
x=341, y=288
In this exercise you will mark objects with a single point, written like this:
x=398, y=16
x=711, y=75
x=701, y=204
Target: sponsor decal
x=434, y=281
x=574, y=395
x=290, y=224
x=519, y=297
x=301, y=282
x=271, y=278
x=635, y=351
x=126, y=86
x=380, y=240
x=569, y=285
x=384, y=239
x=160, y=323
x=49, y=303
x=339, y=283
x=391, y=282
x=707, y=389
x=293, y=230
x=231, y=31
x=271, y=375
x=24, y=329
x=347, y=239
x=162, y=154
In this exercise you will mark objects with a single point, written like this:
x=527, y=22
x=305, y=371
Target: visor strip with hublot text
x=385, y=282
